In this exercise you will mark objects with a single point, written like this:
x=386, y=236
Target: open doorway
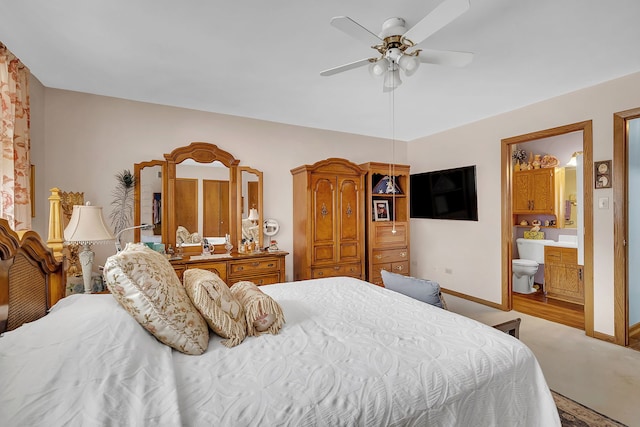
x=510, y=230
x=626, y=183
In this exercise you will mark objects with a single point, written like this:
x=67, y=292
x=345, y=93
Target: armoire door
x=323, y=240
x=349, y=215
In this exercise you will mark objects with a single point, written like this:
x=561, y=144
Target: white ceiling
x=262, y=59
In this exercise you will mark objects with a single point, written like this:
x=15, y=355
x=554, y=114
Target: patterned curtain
x=15, y=164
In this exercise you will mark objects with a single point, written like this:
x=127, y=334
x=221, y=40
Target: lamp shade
x=378, y=68
x=392, y=80
x=409, y=64
x=87, y=226
x=253, y=214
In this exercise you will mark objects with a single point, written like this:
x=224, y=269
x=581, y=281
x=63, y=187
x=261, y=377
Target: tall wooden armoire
x=329, y=220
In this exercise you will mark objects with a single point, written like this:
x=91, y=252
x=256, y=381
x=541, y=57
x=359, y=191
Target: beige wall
x=80, y=141
x=37, y=102
x=90, y=138
x=472, y=250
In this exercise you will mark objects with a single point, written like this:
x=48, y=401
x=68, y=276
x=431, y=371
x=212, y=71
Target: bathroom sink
x=564, y=241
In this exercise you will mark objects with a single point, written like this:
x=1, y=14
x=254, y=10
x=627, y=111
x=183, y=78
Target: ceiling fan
x=397, y=45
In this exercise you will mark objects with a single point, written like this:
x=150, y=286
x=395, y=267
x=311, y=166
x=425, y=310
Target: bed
x=350, y=353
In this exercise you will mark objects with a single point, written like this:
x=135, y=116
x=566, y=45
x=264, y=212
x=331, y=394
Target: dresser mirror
x=200, y=188
x=197, y=189
x=149, y=192
x=202, y=197
x=250, y=202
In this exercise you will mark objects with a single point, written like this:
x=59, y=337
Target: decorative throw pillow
x=222, y=311
x=424, y=290
x=263, y=313
x=146, y=285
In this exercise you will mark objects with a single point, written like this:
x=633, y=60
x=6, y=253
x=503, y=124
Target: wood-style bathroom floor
x=634, y=343
x=566, y=313
x=538, y=305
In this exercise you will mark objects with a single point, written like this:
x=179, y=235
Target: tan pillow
x=263, y=313
x=146, y=285
x=222, y=311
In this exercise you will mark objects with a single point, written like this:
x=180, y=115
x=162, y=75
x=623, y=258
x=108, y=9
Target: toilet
x=531, y=253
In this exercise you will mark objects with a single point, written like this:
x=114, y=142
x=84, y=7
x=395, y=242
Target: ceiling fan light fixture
x=378, y=68
x=409, y=64
x=391, y=80
x=399, y=48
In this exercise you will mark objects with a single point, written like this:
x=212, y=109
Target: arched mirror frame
x=137, y=195
x=258, y=173
x=201, y=152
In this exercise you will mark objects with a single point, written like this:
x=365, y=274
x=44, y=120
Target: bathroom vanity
x=563, y=277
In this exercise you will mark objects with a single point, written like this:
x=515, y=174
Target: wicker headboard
x=30, y=278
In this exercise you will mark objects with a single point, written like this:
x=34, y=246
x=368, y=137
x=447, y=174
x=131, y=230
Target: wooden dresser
x=264, y=268
x=328, y=220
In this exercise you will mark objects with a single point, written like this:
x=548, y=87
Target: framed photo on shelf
x=602, y=174
x=381, y=210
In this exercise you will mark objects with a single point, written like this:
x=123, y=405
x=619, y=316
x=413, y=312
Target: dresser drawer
x=394, y=267
x=390, y=255
x=383, y=234
x=220, y=268
x=330, y=271
x=263, y=279
x=351, y=270
x=257, y=266
x=400, y=267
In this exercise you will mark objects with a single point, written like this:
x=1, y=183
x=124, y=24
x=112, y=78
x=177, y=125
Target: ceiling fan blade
x=446, y=12
x=445, y=57
x=355, y=30
x=345, y=67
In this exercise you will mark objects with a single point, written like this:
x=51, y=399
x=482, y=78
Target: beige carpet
x=573, y=414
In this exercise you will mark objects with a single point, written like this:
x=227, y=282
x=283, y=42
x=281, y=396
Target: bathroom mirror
x=250, y=191
x=202, y=194
x=149, y=201
x=571, y=200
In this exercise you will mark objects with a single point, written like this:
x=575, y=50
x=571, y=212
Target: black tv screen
x=445, y=194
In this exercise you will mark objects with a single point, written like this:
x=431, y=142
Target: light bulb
x=379, y=67
x=392, y=79
x=409, y=64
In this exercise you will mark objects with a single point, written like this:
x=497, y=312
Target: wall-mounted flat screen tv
x=445, y=194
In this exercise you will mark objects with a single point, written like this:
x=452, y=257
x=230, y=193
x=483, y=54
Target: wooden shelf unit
x=386, y=249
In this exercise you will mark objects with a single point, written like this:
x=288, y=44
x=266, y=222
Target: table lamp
x=141, y=226
x=87, y=227
x=254, y=217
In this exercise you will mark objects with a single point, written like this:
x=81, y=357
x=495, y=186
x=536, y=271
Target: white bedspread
x=350, y=354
